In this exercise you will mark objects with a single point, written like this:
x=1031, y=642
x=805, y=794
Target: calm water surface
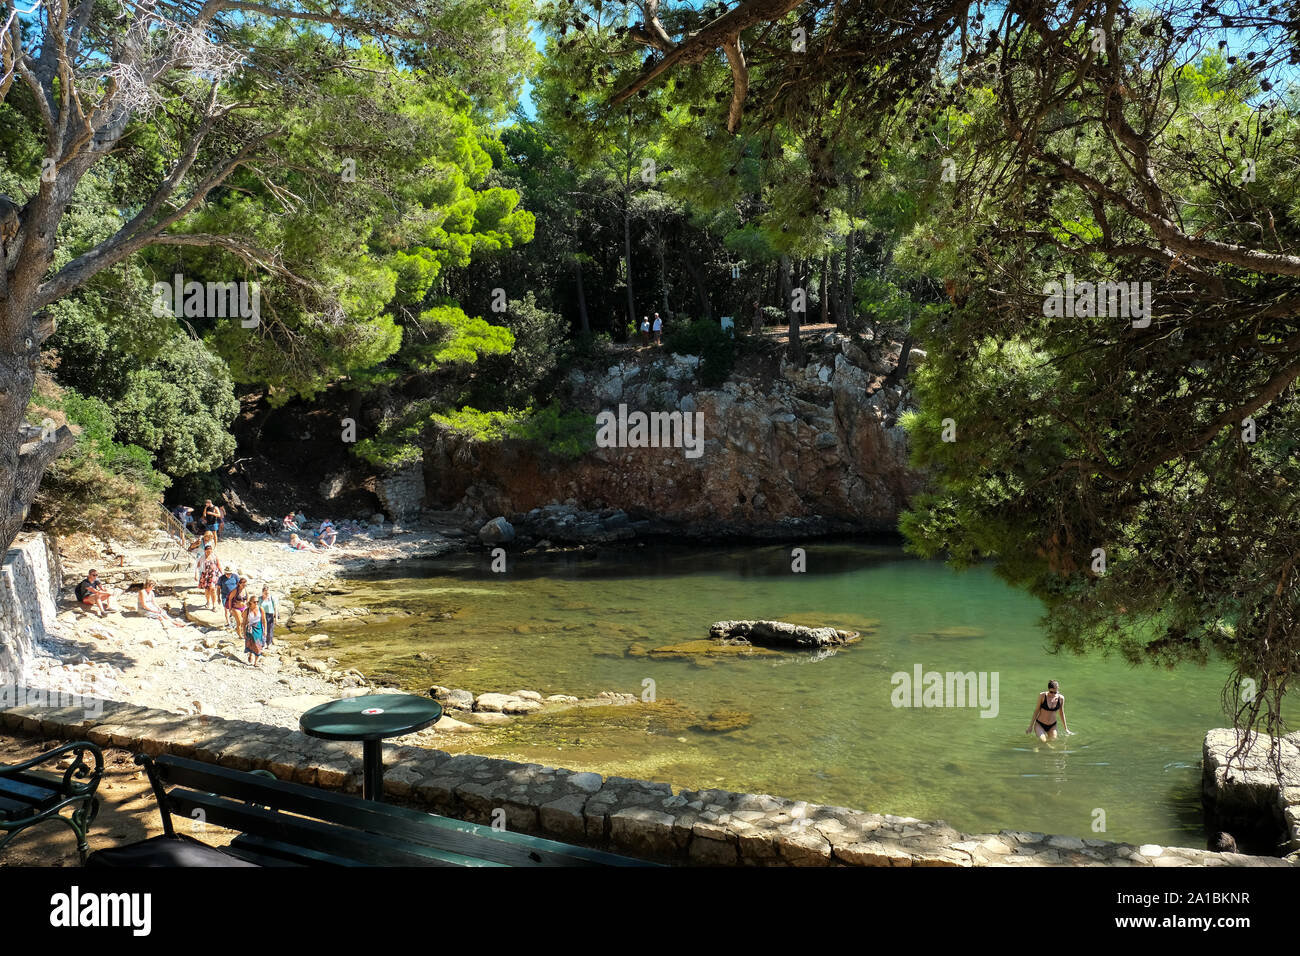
x=823, y=730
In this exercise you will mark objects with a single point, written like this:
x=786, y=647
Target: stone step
x=171, y=580
x=202, y=616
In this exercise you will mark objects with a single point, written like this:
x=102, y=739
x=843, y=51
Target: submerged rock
x=781, y=634
x=691, y=650
x=724, y=721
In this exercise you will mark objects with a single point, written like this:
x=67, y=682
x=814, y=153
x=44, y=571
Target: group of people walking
x=253, y=617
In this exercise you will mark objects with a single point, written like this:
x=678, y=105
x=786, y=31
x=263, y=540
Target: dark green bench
x=30, y=797
x=287, y=824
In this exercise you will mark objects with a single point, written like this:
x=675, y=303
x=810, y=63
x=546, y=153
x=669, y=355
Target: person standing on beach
x=237, y=604
x=226, y=585
x=254, y=636
x=268, y=608
x=209, y=572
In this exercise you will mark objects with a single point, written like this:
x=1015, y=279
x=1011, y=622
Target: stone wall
x=30, y=580
x=1241, y=791
x=633, y=817
x=401, y=493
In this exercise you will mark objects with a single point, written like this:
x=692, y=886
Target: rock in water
x=496, y=531
x=781, y=634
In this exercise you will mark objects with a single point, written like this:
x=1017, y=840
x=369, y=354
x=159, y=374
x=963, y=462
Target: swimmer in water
x=1043, y=723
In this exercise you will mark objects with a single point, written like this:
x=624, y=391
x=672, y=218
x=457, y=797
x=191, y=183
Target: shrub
x=705, y=338
x=100, y=486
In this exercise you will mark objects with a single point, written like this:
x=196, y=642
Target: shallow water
x=824, y=730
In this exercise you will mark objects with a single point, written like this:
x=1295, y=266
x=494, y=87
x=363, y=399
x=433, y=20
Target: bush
x=180, y=408
x=569, y=434
x=100, y=485
x=705, y=338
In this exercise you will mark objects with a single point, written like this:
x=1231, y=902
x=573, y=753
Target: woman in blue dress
x=254, y=636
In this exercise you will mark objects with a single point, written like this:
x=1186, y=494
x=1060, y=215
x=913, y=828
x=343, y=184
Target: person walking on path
x=199, y=547
x=211, y=517
x=226, y=585
x=254, y=637
x=268, y=608
x=209, y=572
x=237, y=604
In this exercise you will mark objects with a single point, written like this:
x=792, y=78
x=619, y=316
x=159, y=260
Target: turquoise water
x=824, y=730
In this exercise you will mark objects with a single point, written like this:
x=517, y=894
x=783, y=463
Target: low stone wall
x=30, y=579
x=402, y=492
x=1241, y=791
x=632, y=817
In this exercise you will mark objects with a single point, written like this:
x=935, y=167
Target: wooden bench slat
x=459, y=836
x=23, y=792
x=14, y=809
x=274, y=853
x=369, y=848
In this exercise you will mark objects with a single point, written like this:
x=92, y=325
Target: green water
x=822, y=730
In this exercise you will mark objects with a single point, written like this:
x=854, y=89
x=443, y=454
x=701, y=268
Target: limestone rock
x=497, y=531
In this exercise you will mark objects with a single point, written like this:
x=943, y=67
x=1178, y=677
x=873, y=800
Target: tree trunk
x=25, y=451
x=833, y=292
x=821, y=291
x=701, y=290
x=582, y=298
x=847, y=303
x=627, y=261
x=792, y=317
x=900, y=370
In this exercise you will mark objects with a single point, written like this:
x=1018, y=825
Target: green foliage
x=567, y=434
x=528, y=372
x=180, y=408
x=705, y=338
x=100, y=487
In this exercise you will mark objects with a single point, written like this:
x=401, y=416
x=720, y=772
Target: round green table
x=370, y=719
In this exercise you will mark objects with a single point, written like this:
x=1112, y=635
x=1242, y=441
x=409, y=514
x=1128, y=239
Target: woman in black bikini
x=1050, y=702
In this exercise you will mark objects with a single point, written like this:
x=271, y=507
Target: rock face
x=784, y=446
x=1242, y=794
x=781, y=634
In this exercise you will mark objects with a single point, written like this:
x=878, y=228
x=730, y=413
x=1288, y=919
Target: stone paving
x=634, y=817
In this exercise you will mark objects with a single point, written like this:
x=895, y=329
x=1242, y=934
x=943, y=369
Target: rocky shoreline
x=200, y=669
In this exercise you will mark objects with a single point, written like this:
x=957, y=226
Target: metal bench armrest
x=79, y=779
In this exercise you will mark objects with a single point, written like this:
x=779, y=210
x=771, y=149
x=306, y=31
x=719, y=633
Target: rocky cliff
x=815, y=446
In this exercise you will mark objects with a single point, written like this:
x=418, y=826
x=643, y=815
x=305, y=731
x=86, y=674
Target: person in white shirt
x=659, y=330
x=645, y=330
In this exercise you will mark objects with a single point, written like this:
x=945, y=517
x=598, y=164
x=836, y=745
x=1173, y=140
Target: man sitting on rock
x=327, y=534
x=91, y=592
